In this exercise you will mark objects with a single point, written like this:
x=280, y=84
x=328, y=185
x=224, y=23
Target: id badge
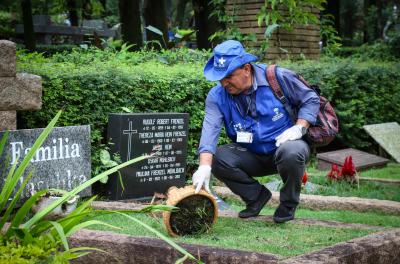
x=244, y=137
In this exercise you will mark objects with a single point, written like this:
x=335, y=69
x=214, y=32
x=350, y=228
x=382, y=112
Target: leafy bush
x=6, y=28
x=362, y=94
x=48, y=50
x=379, y=51
x=44, y=251
x=89, y=84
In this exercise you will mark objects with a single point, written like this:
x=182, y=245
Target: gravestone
x=362, y=160
x=62, y=162
x=388, y=137
x=18, y=91
x=133, y=135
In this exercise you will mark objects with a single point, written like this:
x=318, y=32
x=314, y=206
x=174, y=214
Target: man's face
x=238, y=81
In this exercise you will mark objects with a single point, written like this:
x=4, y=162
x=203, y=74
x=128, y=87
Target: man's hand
x=293, y=133
x=202, y=177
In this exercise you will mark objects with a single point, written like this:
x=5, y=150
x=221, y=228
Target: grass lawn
x=285, y=240
x=345, y=216
x=289, y=239
x=392, y=171
x=367, y=189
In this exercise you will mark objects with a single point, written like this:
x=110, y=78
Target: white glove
x=293, y=133
x=202, y=177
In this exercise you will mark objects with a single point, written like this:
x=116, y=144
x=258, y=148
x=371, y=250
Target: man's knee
x=293, y=151
x=224, y=158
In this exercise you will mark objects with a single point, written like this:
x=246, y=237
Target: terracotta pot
x=177, y=195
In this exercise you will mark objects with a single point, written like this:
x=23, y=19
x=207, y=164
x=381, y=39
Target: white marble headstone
x=387, y=135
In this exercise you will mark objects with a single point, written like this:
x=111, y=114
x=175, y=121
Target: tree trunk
x=205, y=25
x=333, y=8
x=87, y=10
x=29, y=32
x=130, y=23
x=180, y=13
x=73, y=12
x=348, y=22
x=155, y=14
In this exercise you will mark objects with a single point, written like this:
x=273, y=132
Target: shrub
x=378, y=51
x=89, y=84
x=362, y=94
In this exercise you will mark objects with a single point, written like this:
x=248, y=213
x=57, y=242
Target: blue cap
x=227, y=57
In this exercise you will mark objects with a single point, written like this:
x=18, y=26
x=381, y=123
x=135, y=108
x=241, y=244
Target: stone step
x=320, y=202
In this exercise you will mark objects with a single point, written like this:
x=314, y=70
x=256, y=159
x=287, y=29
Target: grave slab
x=23, y=92
x=136, y=134
x=7, y=58
x=362, y=160
x=8, y=120
x=62, y=162
x=388, y=137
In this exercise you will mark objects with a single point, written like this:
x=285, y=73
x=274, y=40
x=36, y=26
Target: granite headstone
x=133, y=135
x=62, y=162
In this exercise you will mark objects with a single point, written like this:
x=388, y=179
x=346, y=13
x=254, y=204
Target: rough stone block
x=8, y=120
x=23, y=92
x=7, y=58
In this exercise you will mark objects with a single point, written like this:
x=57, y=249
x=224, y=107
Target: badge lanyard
x=244, y=136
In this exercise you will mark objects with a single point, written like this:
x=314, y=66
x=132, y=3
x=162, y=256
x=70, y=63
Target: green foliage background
x=89, y=84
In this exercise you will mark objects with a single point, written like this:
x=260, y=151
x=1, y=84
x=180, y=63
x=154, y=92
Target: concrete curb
x=144, y=250
x=319, y=202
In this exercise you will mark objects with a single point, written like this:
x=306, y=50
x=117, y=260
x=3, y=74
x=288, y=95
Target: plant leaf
x=86, y=224
x=67, y=196
x=270, y=30
x=23, y=211
x=105, y=156
x=154, y=30
x=11, y=206
x=126, y=109
x=61, y=234
x=104, y=180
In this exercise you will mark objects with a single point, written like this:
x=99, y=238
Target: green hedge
x=362, y=93
x=88, y=85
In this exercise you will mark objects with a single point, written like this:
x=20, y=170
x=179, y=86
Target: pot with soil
x=196, y=212
x=60, y=211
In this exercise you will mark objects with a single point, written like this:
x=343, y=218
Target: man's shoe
x=284, y=213
x=254, y=208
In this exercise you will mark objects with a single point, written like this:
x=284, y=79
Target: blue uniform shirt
x=299, y=96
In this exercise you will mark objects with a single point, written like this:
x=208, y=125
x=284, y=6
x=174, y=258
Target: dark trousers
x=237, y=167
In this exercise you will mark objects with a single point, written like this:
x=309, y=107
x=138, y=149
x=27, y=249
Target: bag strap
x=274, y=83
x=277, y=90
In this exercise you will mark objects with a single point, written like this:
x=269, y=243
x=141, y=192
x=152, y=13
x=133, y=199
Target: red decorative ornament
x=305, y=178
x=348, y=169
x=334, y=173
x=349, y=172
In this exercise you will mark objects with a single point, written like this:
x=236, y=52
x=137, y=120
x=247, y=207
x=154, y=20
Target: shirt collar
x=259, y=78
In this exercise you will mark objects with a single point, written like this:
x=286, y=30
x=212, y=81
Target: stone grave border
x=380, y=247
x=319, y=202
x=387, y=181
